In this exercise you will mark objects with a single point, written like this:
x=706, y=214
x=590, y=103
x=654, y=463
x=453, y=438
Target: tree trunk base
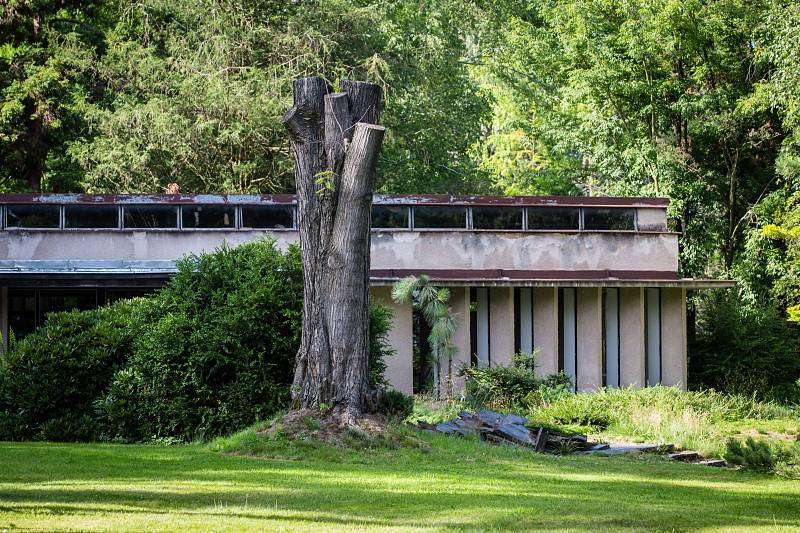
x=333, y=427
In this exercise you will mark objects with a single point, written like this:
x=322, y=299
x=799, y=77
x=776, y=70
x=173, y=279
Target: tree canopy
x=698, y=101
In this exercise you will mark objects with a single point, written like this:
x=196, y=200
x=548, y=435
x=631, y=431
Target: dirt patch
x=308, y=424
x=786, y=437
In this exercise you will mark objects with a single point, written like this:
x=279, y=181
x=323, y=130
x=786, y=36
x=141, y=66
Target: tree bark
x=336, y=140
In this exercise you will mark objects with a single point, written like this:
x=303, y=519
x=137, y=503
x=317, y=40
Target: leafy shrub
x=210, y=353
x=504, y=387
x=380, y=324
x=394, y=404
x=769, y=456
x=50, y=379
x=218, y=348
x=745, y=349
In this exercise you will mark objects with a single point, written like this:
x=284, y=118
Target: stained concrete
x=631, y=347
x=399, y=367
x=545, y=329
x=390, y=249
x=501, y=327
x=590, y=339
x=673, y=337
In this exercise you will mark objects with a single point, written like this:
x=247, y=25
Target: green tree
x=48, y=52
x=433, y=302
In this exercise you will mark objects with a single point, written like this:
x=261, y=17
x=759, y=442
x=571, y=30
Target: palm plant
x=433, y=303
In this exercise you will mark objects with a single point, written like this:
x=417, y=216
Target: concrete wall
x=673, y=337
x=399, y=367
x=390, y=249
x=545, y=329
x=631, y=338
x=590, y=339
x=501, y=325
x=459, y=303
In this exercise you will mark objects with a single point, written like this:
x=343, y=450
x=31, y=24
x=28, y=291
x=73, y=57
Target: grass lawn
x=453, y=484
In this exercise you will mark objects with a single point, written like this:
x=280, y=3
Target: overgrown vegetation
x=209, y=354
x=692, y=420
x=511, y=387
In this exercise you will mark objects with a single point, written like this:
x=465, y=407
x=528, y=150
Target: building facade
x=590, y=284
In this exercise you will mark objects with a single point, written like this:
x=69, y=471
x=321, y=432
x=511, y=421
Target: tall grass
x=695, y=420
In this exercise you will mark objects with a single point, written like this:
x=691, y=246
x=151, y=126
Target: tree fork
x=335, y=140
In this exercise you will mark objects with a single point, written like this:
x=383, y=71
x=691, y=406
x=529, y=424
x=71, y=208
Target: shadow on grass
x=470, y=485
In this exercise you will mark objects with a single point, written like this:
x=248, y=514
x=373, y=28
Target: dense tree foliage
x=695, y=100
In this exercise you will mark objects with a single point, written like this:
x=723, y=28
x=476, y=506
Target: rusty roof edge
x=378, y=199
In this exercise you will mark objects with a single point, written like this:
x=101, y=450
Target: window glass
x=208, y=216
x=440, y=217
x=389, y=217
x=608, y=219
x=151, y=216
x=91, y=216
x=552, y=218
x=32, y=216
x=496, y=217
x=21, y=311
x=54, y=300
x=267, y=216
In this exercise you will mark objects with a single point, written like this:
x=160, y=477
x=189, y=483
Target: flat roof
x=378, y=199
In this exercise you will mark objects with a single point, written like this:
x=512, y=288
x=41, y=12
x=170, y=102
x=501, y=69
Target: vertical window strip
x=480, y=331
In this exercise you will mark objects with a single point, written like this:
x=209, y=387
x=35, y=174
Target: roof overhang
x=69, y=273
x=551, y=278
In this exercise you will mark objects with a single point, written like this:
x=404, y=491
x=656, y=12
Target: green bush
x=210, y=353
x=395, y=405
x=507, y=387
x=50, y=379
x=768, y=456
x=745, y=349
x=217, y=350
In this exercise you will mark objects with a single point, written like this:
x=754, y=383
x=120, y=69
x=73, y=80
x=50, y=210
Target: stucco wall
x=631, y=341
x=501, y=318
x=545, y=329
x=459, y=303
x=399, y=367
x=390, y=250
x=673, y=337
x=590, y=339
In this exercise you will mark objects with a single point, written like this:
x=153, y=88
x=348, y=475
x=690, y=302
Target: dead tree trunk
x=335, y=139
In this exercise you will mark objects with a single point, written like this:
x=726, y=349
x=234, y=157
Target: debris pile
x=498, y=428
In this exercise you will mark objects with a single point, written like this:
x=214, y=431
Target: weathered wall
x=545, y=329
x=673, y=337
x=390, y=250
x=501, y=325
x=399, y=367
x=459, y=303
x=631, y=338
x=590, y=339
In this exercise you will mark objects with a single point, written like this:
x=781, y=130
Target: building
x=590, y=283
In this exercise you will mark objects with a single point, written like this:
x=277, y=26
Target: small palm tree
x=433, y=302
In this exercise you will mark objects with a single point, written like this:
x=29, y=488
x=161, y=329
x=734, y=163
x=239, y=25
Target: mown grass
x=441, y=483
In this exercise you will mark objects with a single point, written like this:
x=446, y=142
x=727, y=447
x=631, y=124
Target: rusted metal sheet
x=290, y=199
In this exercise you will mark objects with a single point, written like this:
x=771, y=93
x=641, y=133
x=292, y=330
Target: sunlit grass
x=449, y=483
